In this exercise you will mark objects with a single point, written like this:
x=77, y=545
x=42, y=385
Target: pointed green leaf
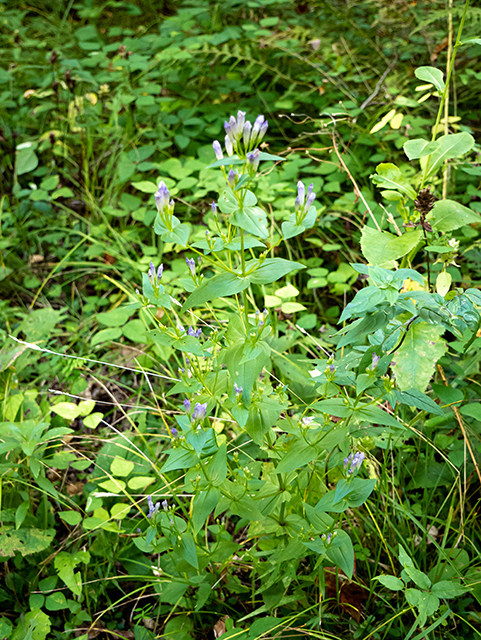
x=418, y=148
x=432, y=75
x=448, y=215
x=413, y=363
x=223, y=284
x=452, y=145
x=381, y=247
x=272, y=269
x=388, y=176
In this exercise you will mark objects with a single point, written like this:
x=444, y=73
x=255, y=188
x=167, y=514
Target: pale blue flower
x=200, y=411
x=217, y=150
x=191, y=264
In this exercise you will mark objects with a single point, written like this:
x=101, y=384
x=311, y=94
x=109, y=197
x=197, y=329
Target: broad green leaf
x=180, y=459
x=389, y=176
x=451, y=145
x=448, y=589
x=115, y=318
x=56, y=601
x=106, y=335
x=426, y=603
x=413, y=363
x=121, y=467
x=419, y=578
x=187, y=549
x=251, y=219
x=391, y=582
x=145, y=186
x=365, y=300
x=272, y=269
x=65, y=564
x=223, y=284
x=70, y=517
x=300, y=454
x=431, y=75
x=25, y=541
x=113, y=486
x=343, y=553
x=418, y=148
x=448, y=215
x=93, y=420
x=443, y=283
x=381, y=247
x=204, y=504
x=27, y=160
x=140, y=482
x=292, y=307
x=120, y=510
x=35, y=625
x=414, y=398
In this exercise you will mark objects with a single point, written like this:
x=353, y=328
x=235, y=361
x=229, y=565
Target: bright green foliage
x=239, y=444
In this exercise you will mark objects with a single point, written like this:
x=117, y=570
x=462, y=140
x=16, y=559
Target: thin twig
x=357, y=191
x=378, y=86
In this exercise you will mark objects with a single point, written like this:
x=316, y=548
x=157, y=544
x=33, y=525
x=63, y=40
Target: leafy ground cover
x=240, y=384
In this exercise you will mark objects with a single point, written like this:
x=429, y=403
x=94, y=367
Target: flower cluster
x=327, y=538
x=303, y=203
x=242, y=137
x=152, y=508
x=155, y=276
x=162, y=200
x=199, y=412
x=353, y=462
x=195, y=333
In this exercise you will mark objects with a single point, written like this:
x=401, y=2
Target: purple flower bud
x=187, y=405
x=257, y=127
x=213, y=208
x=217, y=150
x=162, y=196
x=297, y=204
x=174, y=432
x=191, y=264
x=247, y=133
x=332, y=368
x=200, y=411
x=197, y=333
x=139, y=530
x=160, y=271
x=375, y=360
x=310, y=189
x=346, y=463
x=241, y=118
x=263, y=130
x=237, y=389
x=253, y=159
x=310, y=199
x=152, y=508
x=228, y=146
x=151, y=271
x=231, y=178
x=165, y=505
x=301, y=192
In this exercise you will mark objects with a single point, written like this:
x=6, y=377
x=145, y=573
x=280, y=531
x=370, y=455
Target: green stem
x=446, y=88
